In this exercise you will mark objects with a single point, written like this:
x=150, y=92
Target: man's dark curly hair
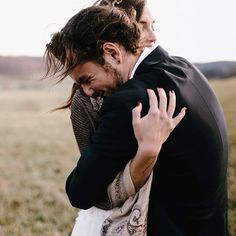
x=82, y=38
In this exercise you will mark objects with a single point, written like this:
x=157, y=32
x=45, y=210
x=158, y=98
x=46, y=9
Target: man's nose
x=87, y=90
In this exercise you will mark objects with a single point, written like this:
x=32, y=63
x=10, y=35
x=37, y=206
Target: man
x=98, y=48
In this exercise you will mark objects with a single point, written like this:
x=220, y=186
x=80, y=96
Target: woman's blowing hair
x=131, y=7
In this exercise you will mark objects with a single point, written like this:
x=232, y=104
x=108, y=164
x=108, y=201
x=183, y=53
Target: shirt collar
x=142, y=56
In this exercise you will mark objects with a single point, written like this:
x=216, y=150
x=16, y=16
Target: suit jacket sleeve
x=113, y=146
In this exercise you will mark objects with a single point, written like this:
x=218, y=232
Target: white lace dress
x=128, y=217
x=89, y=222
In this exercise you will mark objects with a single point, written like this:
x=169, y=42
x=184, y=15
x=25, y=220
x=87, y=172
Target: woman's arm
x=151, y=131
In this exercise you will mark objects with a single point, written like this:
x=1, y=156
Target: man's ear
x=112, y=53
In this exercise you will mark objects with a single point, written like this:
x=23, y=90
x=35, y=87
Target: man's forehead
x=81, y=68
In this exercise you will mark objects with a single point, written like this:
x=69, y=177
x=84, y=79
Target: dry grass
x=37, y=151
x=226, y=91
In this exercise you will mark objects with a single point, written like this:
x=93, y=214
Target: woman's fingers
x=136, y=113
x=160, y=109
x=153, y=102
x=179, y=117
x=156, y=105
x=172, y=104
x=162, y=100
x=152, y=130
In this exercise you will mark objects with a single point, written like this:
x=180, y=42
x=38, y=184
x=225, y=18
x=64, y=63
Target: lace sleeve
x=121, y=188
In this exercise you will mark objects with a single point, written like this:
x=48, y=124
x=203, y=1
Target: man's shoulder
x=126, y=96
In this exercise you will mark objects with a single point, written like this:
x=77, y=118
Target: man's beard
x=115, y=75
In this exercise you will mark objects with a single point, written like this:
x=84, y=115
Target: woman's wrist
x=147, y=151
x=141, y=166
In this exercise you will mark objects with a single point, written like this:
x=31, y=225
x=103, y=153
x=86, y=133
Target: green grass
x=38, y=150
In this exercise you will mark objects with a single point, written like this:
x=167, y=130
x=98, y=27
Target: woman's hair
x=129, y=6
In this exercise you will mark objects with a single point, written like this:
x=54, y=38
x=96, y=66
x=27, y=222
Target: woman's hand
x=151, y=131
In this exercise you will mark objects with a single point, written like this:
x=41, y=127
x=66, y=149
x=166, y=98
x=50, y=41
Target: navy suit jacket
x=189, y=194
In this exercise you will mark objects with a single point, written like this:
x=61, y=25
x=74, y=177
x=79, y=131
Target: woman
x=85, y=113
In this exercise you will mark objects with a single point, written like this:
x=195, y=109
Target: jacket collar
x=155, y=57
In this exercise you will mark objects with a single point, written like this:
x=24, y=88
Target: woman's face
x=146, y=24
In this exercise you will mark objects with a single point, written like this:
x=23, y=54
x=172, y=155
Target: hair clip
x=116, y=2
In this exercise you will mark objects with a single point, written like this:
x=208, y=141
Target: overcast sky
x=199, y=30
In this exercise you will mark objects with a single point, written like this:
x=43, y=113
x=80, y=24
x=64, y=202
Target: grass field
x=37, y=151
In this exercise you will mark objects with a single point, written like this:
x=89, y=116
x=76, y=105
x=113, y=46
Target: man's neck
x=141, y=57
x=130, y=60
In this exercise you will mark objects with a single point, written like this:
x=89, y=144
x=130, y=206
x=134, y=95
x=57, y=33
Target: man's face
x=95, y=79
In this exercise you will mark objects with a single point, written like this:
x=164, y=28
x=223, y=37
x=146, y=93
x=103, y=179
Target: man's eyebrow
x=82, y=78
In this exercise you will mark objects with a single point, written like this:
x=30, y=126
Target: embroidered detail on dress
x=131, y=217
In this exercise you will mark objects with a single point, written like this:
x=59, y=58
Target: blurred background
x=37, y=147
